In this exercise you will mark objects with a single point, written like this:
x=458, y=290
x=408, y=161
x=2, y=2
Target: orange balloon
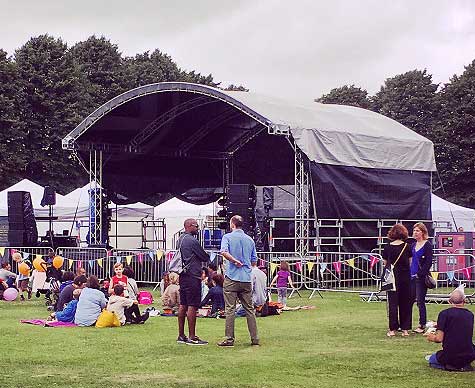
x=39, y=264
x=58, y=262
x=24, y=269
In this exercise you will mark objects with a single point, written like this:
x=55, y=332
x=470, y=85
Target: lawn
x=341, y=343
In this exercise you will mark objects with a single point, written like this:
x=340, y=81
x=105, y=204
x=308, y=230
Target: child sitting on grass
x=171, y=296
x=215, y=295
x=69, y=311
x=283, y=280
x=125, y=308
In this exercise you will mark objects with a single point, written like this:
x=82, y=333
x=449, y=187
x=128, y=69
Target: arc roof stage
x=171, y=139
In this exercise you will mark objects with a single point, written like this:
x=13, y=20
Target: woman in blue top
x=91, y=302
x=420, y=266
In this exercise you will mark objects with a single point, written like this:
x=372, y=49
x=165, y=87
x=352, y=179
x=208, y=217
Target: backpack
x=176, y=263
x=145, y=297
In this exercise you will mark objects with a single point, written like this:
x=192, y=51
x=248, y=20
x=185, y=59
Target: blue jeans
x=433, y=363
x=419, y=292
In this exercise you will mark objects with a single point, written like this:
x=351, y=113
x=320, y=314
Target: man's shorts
x=190, y=290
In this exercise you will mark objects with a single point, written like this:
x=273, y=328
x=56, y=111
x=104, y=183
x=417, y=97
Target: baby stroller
x=49, y=286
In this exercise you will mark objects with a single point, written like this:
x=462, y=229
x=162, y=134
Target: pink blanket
x=42, y=322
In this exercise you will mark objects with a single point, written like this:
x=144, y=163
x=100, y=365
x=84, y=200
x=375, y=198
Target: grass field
x=342, y=343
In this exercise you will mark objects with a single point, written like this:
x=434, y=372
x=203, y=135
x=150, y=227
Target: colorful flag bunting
x=365, y=257
x=2, y=251
x=450, y=275
x=118, y=259
x=128, y=259
x=466, y=272
x=323, y=267
x=159, y=254
x=99, y=262
x=70, y=261
x=273, y=267
x=373, y=261
x=310, y=266
x=12, y=251
x=140, y=257
x=91, y=263
x=261, y=263
x=351, y=263
x=26, y=256
x=151, y=255
x=337, y=266
x=434, y=275
x=298, y=266
x=212, y=256
x=79, y=265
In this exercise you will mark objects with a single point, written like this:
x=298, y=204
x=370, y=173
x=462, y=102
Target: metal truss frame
x=95, y=197
x=302, y=202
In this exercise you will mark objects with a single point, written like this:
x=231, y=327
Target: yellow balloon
x=24, y=269
x=39, y=264
x=58, y=262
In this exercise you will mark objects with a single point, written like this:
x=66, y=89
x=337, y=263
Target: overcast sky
x=282, y=48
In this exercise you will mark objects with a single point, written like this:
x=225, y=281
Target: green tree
x=50, y=96
x=235, y=88
x=197, y=78
x=11, y=140
x=144, y=69
x=346, y=95
x=410, y=99
x=101, y=67
x=455, y=140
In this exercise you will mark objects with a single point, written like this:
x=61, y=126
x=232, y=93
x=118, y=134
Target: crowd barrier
x=317, y=271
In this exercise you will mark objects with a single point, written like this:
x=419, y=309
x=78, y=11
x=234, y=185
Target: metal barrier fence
x=453, y=268
x=94, y=260
x=148, y=265
x=29, y=253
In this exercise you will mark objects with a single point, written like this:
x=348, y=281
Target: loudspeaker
x=241, y=193
x=49, y=197
x=21, y=219
x=268, y=197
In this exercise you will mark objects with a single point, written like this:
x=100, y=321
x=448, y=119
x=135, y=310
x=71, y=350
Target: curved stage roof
x=167, y=139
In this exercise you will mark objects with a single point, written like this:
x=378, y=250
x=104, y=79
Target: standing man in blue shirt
x=240, y=252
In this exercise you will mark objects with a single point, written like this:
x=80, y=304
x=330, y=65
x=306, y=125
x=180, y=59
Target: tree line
x=47, y=88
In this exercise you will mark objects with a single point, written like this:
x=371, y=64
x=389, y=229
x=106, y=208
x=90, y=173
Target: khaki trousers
x=234, y=290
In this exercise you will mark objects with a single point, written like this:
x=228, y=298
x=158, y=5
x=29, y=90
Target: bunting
x=91, y=263
x=151, y=255
x=434, y=275
x=261, y=263
x=212, y=256
x=323, y=267
x=26, y=256
x=450, y=275
x=140, y=257
x=351, y=263
x=159, y=254
x=12, y=251
x=70, y=261
x=365, y=257
x=128, y=259
x=373, y=261
x=99, y=262
x=273, y=267
x=2, y=251
x=337, y=266
x=79, y=264
x=310, y=266
x=118, y=260
x=466, y=272
x=298, y=266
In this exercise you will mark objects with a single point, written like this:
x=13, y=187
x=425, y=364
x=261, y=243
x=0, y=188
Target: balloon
x=10, y=294
x=39, y=264
x=58, y=262
x=24, y=269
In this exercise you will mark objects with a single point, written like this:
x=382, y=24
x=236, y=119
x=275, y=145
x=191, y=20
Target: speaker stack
x=22, y=229
x=241, y=200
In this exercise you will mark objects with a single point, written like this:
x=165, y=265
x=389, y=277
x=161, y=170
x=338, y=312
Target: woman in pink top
x=283, y=279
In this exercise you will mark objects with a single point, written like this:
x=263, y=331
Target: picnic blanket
x=44, y=323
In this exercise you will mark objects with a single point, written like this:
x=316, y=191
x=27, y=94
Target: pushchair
x=49, y=285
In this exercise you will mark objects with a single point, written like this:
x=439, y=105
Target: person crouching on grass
x=126, y=309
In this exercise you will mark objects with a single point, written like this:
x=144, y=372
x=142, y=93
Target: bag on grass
x=107, y=319
x=145, y=297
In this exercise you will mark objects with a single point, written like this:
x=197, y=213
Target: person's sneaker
x=196, y=341
x=144, y=317
x=226, y=343
x=22, y=298
x=418, y=330
x=255, y=343
x=182, y=339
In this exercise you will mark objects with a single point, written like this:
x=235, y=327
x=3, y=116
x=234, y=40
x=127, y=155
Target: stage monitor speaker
x=268, y=197
x=49, y=197
x=21, y=219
